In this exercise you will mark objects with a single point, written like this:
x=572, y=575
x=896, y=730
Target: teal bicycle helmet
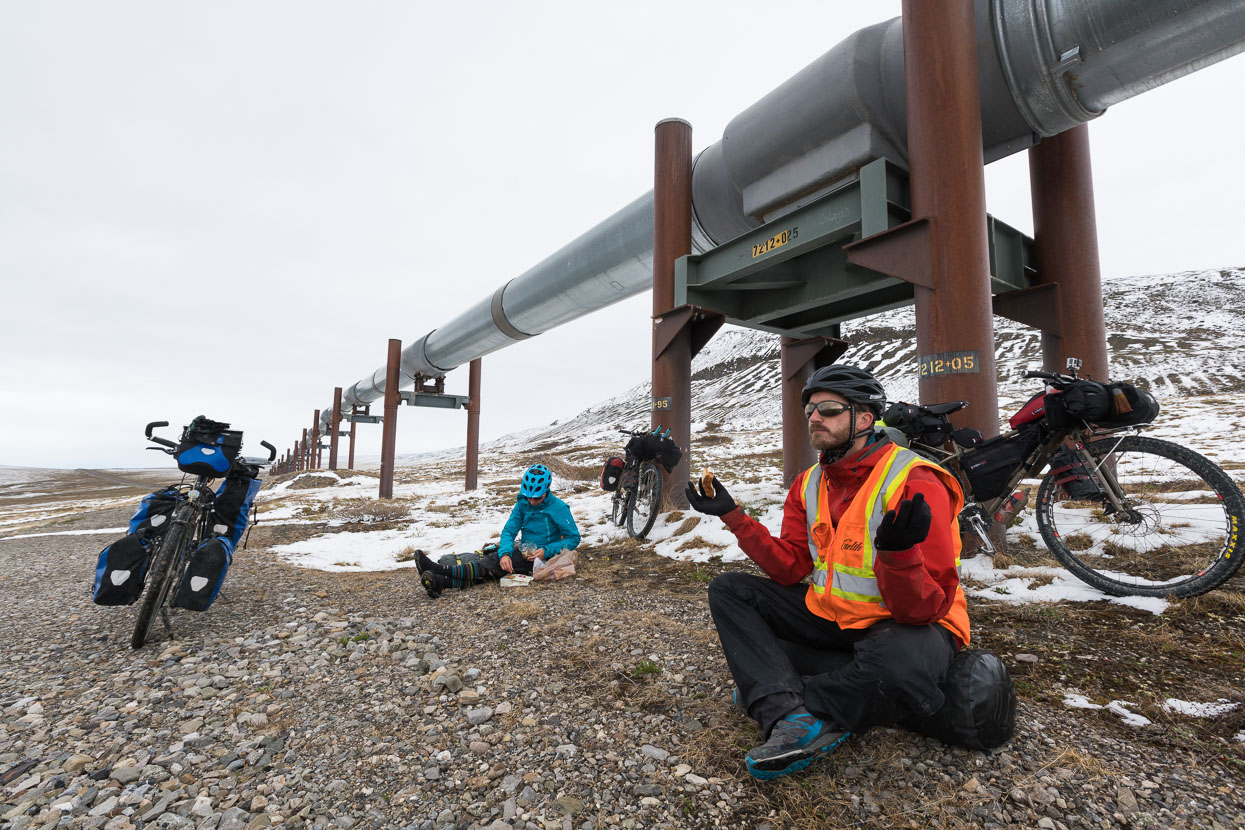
x=536, y=482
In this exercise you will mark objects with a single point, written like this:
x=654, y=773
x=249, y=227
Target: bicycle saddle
x=946, y=408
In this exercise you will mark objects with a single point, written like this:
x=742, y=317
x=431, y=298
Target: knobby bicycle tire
x=645, y=500
x=160, y=580
x=1179, y=537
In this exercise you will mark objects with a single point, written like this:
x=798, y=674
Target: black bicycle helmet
x=856, y=386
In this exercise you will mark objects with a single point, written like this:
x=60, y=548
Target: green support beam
x=792, y=276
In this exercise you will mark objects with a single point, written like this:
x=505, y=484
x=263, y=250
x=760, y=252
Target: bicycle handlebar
x=161, y=441
x=272, y=451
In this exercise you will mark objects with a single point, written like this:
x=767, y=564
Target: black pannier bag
x=991, y=464
x=153, y=514
x=611, y=474
x=931, y=430
x=199, y=585
x=207, y=448
x=120, y=572
x=979, y=710
x=1130, y=406
x=231, y=512
x=657, y=448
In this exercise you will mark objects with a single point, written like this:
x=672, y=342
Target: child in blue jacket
x=540, y=527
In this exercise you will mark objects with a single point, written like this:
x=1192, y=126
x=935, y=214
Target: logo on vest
x=853, y=546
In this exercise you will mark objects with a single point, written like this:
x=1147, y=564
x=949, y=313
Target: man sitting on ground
x=875, y=527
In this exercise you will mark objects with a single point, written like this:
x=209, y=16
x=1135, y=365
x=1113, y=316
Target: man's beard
x=823, y=441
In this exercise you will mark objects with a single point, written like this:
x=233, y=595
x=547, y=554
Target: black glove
x=719, y=504
x=907, y=526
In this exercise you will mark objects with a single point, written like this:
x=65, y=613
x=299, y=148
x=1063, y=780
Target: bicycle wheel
x=646, y=501
x=163, y=573
x=1178, y=533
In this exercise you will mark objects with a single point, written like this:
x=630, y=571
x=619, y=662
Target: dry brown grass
x=521, y=609
x=372, y=511
x=688, y=523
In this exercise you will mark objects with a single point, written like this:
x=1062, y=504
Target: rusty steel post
x=315, y=440
x=473, y=424
x=797, y=453
x=353, y=427
x=954, y=319
x=1065, y=231
x=335, y=424
x=798, y=358
x=389, y=433
x=672, y=238
x=302, y=451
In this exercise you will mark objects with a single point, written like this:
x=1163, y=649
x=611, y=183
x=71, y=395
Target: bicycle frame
x=979, y=515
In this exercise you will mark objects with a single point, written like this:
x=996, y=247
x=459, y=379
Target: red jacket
x=917, y=584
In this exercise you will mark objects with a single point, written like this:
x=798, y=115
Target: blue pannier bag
x=201, y=582
x=207, y=448
x=153, y=514
x=232, y=511
x=120, y=572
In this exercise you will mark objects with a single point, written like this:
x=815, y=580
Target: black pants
x=783, y=656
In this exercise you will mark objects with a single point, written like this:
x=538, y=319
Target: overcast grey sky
x=227, y=208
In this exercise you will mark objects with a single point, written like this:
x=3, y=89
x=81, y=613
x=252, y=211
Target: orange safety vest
x=851, y=598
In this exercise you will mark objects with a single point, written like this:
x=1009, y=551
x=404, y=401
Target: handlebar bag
x=655, y=448
x=1130, y=406
x=200, y=584
x=204, y=454
x=1087, y=400
x=120, y=572
x=231, y=512
x=991, y=464
x=476, y=566
x=611, y=473
x=153, y=514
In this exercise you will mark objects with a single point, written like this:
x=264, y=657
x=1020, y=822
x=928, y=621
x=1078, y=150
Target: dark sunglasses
x=826, y=409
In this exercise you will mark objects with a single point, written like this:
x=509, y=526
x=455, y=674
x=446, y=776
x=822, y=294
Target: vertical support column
x=389, y=433
x=302, y=451
x=473, y=424
x=354, y=410
x=948, y=187
x=1065, y=230
x=315, y=440
x=672, y=238
x=335, y=424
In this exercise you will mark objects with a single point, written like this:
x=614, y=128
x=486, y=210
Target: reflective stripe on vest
x=855, y=583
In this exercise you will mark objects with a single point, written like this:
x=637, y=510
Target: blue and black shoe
x=795, y=742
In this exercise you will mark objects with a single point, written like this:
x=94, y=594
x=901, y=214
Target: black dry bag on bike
x=1130, y=406
x=201, y=582
x=231, y=513
x=207, y=448
x=120, y=572
x=611, y=474
x=991, y=464
x=153, y=514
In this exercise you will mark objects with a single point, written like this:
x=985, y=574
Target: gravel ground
x=306, y=699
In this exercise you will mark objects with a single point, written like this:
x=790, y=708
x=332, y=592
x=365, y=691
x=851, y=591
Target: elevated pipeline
x=1044, y=66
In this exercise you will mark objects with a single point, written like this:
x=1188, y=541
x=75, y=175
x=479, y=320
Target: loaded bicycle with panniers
x=638, y=480
x=182, y=539
x=1129, y=514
